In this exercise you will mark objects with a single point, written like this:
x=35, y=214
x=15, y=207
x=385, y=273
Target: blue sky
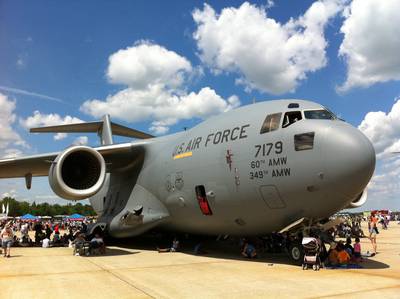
x=60, y=60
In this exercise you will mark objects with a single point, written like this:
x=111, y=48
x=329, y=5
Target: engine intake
x=359, y=201
x=77, y=173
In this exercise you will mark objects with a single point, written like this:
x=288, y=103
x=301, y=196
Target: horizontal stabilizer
x=104, y=128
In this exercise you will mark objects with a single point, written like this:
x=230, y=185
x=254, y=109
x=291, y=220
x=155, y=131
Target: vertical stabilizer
x=105, y=132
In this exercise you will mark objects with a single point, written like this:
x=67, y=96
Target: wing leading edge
x=116, y=156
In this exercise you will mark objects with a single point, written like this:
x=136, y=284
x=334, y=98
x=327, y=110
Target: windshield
x=319, y=114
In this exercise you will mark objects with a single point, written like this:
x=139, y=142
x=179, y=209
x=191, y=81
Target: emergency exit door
x=271, y=197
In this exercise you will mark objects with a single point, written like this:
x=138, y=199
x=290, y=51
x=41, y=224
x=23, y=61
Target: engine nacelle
x=77, y=173
x=359, y=201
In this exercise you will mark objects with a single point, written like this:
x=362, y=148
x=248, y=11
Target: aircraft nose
x=349, y=159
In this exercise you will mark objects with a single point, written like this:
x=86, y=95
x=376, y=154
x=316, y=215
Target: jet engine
x=77, y=173
x=359, y=201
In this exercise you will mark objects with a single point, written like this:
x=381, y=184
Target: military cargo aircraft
x=272, y=166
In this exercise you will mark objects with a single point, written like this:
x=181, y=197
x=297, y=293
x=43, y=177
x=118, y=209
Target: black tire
x=296, y=253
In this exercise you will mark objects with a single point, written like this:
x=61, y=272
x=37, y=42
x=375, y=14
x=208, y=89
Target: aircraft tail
x=104, y=128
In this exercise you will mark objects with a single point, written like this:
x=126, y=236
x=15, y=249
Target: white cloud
x=11, y=193
x=46, y=196
x=159, y=104
x=147, y=64
x=158, y=129
x=9, y=138
x=371, y=43
x=155, y=78
x=43, y=120
x=11, y=153
x=81, y=140
x=384, y=188
x=383, y=129
x=269, y=56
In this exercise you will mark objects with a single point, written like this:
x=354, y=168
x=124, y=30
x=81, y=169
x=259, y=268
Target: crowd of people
x=74, y=234
x=16, y=233
x=345, y=253
x=350, y=227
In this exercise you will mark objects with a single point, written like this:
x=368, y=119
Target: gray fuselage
x=251, y=183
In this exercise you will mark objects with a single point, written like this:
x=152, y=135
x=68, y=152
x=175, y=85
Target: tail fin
x=105, y=129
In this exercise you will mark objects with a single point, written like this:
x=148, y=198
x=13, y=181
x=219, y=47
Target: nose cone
x=349, y=159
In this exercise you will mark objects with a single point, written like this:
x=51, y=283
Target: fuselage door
x=271, y=197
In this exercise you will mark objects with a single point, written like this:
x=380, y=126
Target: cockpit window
x=304, y=141
x=271, y=123
x=319, y=114
x=291, y=118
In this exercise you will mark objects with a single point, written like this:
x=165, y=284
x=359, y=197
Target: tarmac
x=142, y=272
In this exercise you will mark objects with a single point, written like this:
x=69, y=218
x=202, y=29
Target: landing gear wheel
x=318, y=267
x=314, y=267
x=296, y=253
x=305, y=266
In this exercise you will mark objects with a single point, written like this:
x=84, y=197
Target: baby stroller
x=312, y=250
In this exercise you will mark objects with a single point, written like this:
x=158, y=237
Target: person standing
x=49, y=231
x=6, y=236
x=373, y=231
x=38, y=232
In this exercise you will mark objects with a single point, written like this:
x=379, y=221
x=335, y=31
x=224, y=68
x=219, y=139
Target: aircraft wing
x=37, y=165
x=116, y=156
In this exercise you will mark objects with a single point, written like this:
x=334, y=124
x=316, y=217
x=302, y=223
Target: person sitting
x=38, y=232
x=348, y=247
x=25, y=241
x=173, y=248
x=342, y=256
x=24, y=231
x=46, y=242
x=56, y=239
x=48, y=231
x=333, y=255
x=357, y=250
x=249, y=250
x=64, y=241
x=78, y=244
x=97, y=243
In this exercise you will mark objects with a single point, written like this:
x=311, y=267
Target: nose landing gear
x=296, y=253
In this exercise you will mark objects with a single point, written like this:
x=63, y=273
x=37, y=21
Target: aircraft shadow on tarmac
x=114, y=252
x=371, y=264
x=225, y=249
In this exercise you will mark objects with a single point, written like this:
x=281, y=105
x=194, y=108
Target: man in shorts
x=373, y=230
x=6, y=236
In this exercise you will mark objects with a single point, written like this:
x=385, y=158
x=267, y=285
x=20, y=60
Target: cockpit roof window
x=293, y=105
x=319, y=114
x=271, y=123
x=290, y=118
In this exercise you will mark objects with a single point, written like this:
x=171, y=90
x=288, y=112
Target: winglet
x=105, y=129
